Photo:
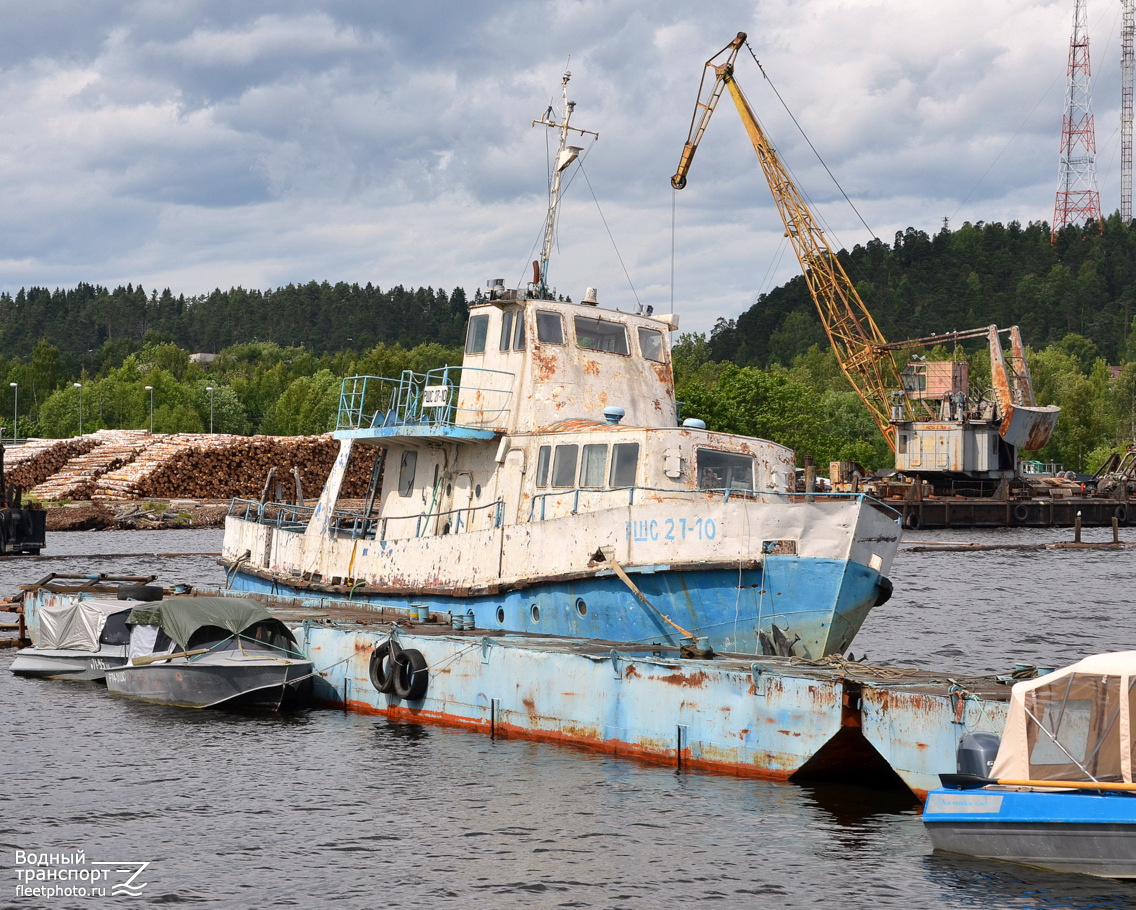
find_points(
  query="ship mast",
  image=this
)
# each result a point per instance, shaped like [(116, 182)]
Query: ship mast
[(565, 155)]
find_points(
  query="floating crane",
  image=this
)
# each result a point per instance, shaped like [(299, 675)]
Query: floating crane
[(924, 410)]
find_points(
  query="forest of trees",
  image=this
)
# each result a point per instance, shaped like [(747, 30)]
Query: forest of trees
[(768, 372)]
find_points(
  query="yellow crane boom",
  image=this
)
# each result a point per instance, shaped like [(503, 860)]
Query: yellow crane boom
[(855, 338)]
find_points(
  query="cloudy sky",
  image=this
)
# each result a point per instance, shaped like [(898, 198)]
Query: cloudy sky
[(198, 144)]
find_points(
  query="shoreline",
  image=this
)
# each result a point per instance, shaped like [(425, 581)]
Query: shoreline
[(136, 516)]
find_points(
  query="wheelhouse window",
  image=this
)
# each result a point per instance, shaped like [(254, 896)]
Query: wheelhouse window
[(624, 464), (651, 344), (593, 466), (542, 461), (549, 327), (724, 470), (519, 332), (406, 468), (564, 466), (506, 329), (598, 335), (476, 334)]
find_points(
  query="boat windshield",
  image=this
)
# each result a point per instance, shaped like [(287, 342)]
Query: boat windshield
[(116, 632), (264, 636), (1073, 728)]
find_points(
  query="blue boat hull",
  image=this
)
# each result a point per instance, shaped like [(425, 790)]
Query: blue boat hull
[(823, 601), (1088, 832)]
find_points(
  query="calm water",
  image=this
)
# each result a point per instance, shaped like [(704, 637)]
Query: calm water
[(339, 810)]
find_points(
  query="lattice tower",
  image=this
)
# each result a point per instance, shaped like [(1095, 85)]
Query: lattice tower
[(1127, 68), (1077, 195)]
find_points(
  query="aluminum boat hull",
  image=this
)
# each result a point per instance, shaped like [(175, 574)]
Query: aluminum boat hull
[(68, 664), (222, 681)]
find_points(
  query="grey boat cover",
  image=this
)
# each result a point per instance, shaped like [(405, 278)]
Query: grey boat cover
[(75, 625), (180, 617)]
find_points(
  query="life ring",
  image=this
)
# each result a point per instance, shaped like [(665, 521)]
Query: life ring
[(911, 521), (1120, 513), (1021, 513), (144, 593), (383, 668), (411, 677)]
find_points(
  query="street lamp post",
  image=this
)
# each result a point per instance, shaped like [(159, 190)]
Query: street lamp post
[(79, 386), (209, 389), (15, 410), (150, 389)]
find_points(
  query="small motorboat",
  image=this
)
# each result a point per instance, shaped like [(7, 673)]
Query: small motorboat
[(212, 652), (1056, 792), (78, 638)]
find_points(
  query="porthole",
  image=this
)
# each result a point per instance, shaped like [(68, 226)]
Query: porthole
[(500, 616), (534, 612), (477, 491), (449, 489), (581, 607)]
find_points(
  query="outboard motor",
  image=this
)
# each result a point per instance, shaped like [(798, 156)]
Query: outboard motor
[(976, 754)]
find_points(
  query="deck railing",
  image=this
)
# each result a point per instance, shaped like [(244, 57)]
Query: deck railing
[(445, 397), (360, 527)]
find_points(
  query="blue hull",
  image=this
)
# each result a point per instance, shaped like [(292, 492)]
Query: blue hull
[(1087, 832), (823, 601)]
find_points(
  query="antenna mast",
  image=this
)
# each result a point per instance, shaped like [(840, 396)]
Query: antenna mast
[(1077, 195), (565, 155), (1127, 68)]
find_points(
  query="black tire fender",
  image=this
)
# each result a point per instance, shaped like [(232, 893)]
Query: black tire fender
[(1021, 513), (911, 521), (411, 676), (1120, 513), (383, 668), (884, 589), (145, 593)]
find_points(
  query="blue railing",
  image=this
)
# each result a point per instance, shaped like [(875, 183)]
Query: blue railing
[(726, 494), (289, 517), (445, 397)]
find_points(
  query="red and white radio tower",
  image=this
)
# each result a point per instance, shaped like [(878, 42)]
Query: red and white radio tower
[(1127, 69), (1077, 196)]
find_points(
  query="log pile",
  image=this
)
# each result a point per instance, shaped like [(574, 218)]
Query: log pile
[(78, 477), (215, 466), (36, 460)]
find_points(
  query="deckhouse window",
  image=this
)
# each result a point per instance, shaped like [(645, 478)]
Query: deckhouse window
[(406, 472), (519, 334), (542, 460), (564, 466), (724, 470), (593, 466), (549, 327), (651, 344), (506, 329), (476, 334), (597, 335), (624, 464)]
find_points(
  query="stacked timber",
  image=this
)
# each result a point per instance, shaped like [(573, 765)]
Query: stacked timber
[(217, 466), (78, 477), (32, 463)]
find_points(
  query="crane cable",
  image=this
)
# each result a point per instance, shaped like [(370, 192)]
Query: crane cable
[(804, 135)]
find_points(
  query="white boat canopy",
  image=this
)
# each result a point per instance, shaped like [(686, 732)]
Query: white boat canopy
[(1074, 724), (76, 625)]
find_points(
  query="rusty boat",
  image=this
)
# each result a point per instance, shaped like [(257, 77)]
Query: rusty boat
[(548, 485)]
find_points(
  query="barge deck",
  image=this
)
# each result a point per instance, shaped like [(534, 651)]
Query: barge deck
[(763, 716)]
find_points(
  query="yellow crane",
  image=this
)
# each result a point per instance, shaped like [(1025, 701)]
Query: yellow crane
[(923, 411), (860, 347)]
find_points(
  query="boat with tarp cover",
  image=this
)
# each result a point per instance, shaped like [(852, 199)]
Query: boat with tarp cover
[(77, 639), (212, 652), (1059, 794)]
